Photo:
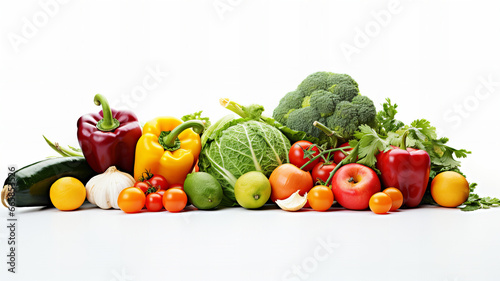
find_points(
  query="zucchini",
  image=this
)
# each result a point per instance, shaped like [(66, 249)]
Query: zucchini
[(31, 184)]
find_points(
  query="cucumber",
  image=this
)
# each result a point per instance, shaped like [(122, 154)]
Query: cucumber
[(32, 183)]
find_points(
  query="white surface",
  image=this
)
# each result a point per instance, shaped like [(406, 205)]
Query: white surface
[(237, 244), (429, 57)]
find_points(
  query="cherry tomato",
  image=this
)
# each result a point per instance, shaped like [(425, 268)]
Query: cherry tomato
[(301, 152), (177, 185), (144, 186), (380, 203), (154, 202), (131, 200), (339, 155), (321, 172), (396, 197), (159, 181), (175, 200), (320, 198)]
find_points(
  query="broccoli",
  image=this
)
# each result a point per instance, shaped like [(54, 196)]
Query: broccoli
[(329, 98)]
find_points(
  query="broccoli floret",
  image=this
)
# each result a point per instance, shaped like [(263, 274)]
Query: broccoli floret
[(297, 117), (324, 101), (349, 115), (323, 94)]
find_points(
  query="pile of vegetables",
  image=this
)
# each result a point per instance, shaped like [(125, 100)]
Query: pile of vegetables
[(324, 144)]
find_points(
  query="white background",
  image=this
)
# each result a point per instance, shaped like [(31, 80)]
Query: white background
[(430, 57)]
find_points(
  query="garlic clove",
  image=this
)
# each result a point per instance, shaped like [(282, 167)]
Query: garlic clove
[(293, 203)]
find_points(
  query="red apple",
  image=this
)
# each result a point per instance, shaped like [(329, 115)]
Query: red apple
[(353, 185)]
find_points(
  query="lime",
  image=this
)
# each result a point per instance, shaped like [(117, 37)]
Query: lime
[(252, 190), (203, 190)]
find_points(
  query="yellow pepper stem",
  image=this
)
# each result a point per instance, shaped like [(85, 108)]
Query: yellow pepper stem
[(170, 141)]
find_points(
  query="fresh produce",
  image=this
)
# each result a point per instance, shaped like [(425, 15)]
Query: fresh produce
[(203, 190), (159, 181), (154, 202), (380, 203), (109, 137), (252, 190), (254, 112), (288, 179), (474, 202), (32, 183), (72, 151), (142, 185), (103, 189), (131, 200), (320, 198), (330, 98), (168, 147), (293, 203), (301, 153), (353, 185), (197, 116), (241, 146), (149, 183), (177, 185), (340, 155), (396, 197), (67, 194), (321, 172), (450, 189), (406, 169), (175, 200)]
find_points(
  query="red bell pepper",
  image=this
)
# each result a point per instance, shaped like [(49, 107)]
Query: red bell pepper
[(406, 169), (108, 138)]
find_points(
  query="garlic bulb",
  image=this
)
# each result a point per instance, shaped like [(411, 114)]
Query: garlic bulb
[(293, 203), (103, 189)]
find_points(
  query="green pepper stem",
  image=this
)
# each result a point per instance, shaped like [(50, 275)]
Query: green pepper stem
[(170, 139), (403, 140), (107, 123)]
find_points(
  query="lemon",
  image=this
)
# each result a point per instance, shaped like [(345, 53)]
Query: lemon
[(67, 194), (449, 189), (252, 190)]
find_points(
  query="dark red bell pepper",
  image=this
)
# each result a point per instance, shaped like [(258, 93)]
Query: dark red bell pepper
[(406, 169), (108, 138)]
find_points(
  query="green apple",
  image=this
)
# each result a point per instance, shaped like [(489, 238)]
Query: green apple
[(252, 190)]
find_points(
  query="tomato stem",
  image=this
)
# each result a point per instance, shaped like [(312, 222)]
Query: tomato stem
[(322, 153)]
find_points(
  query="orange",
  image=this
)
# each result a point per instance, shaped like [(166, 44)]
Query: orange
[(450, 189)]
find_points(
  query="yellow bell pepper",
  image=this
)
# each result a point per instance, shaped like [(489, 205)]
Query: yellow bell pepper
[(168, 147)]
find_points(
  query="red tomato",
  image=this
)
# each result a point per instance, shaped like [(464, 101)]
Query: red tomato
[(339, 155), (144, 186), (159, 181), (154, 202), (301, 152), (131, 200), (321, 172), (175, 200)]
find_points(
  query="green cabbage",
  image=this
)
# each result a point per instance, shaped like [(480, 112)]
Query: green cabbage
[(241, 146)]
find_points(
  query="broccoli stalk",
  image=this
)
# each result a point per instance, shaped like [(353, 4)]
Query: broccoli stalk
[(334, 138)]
